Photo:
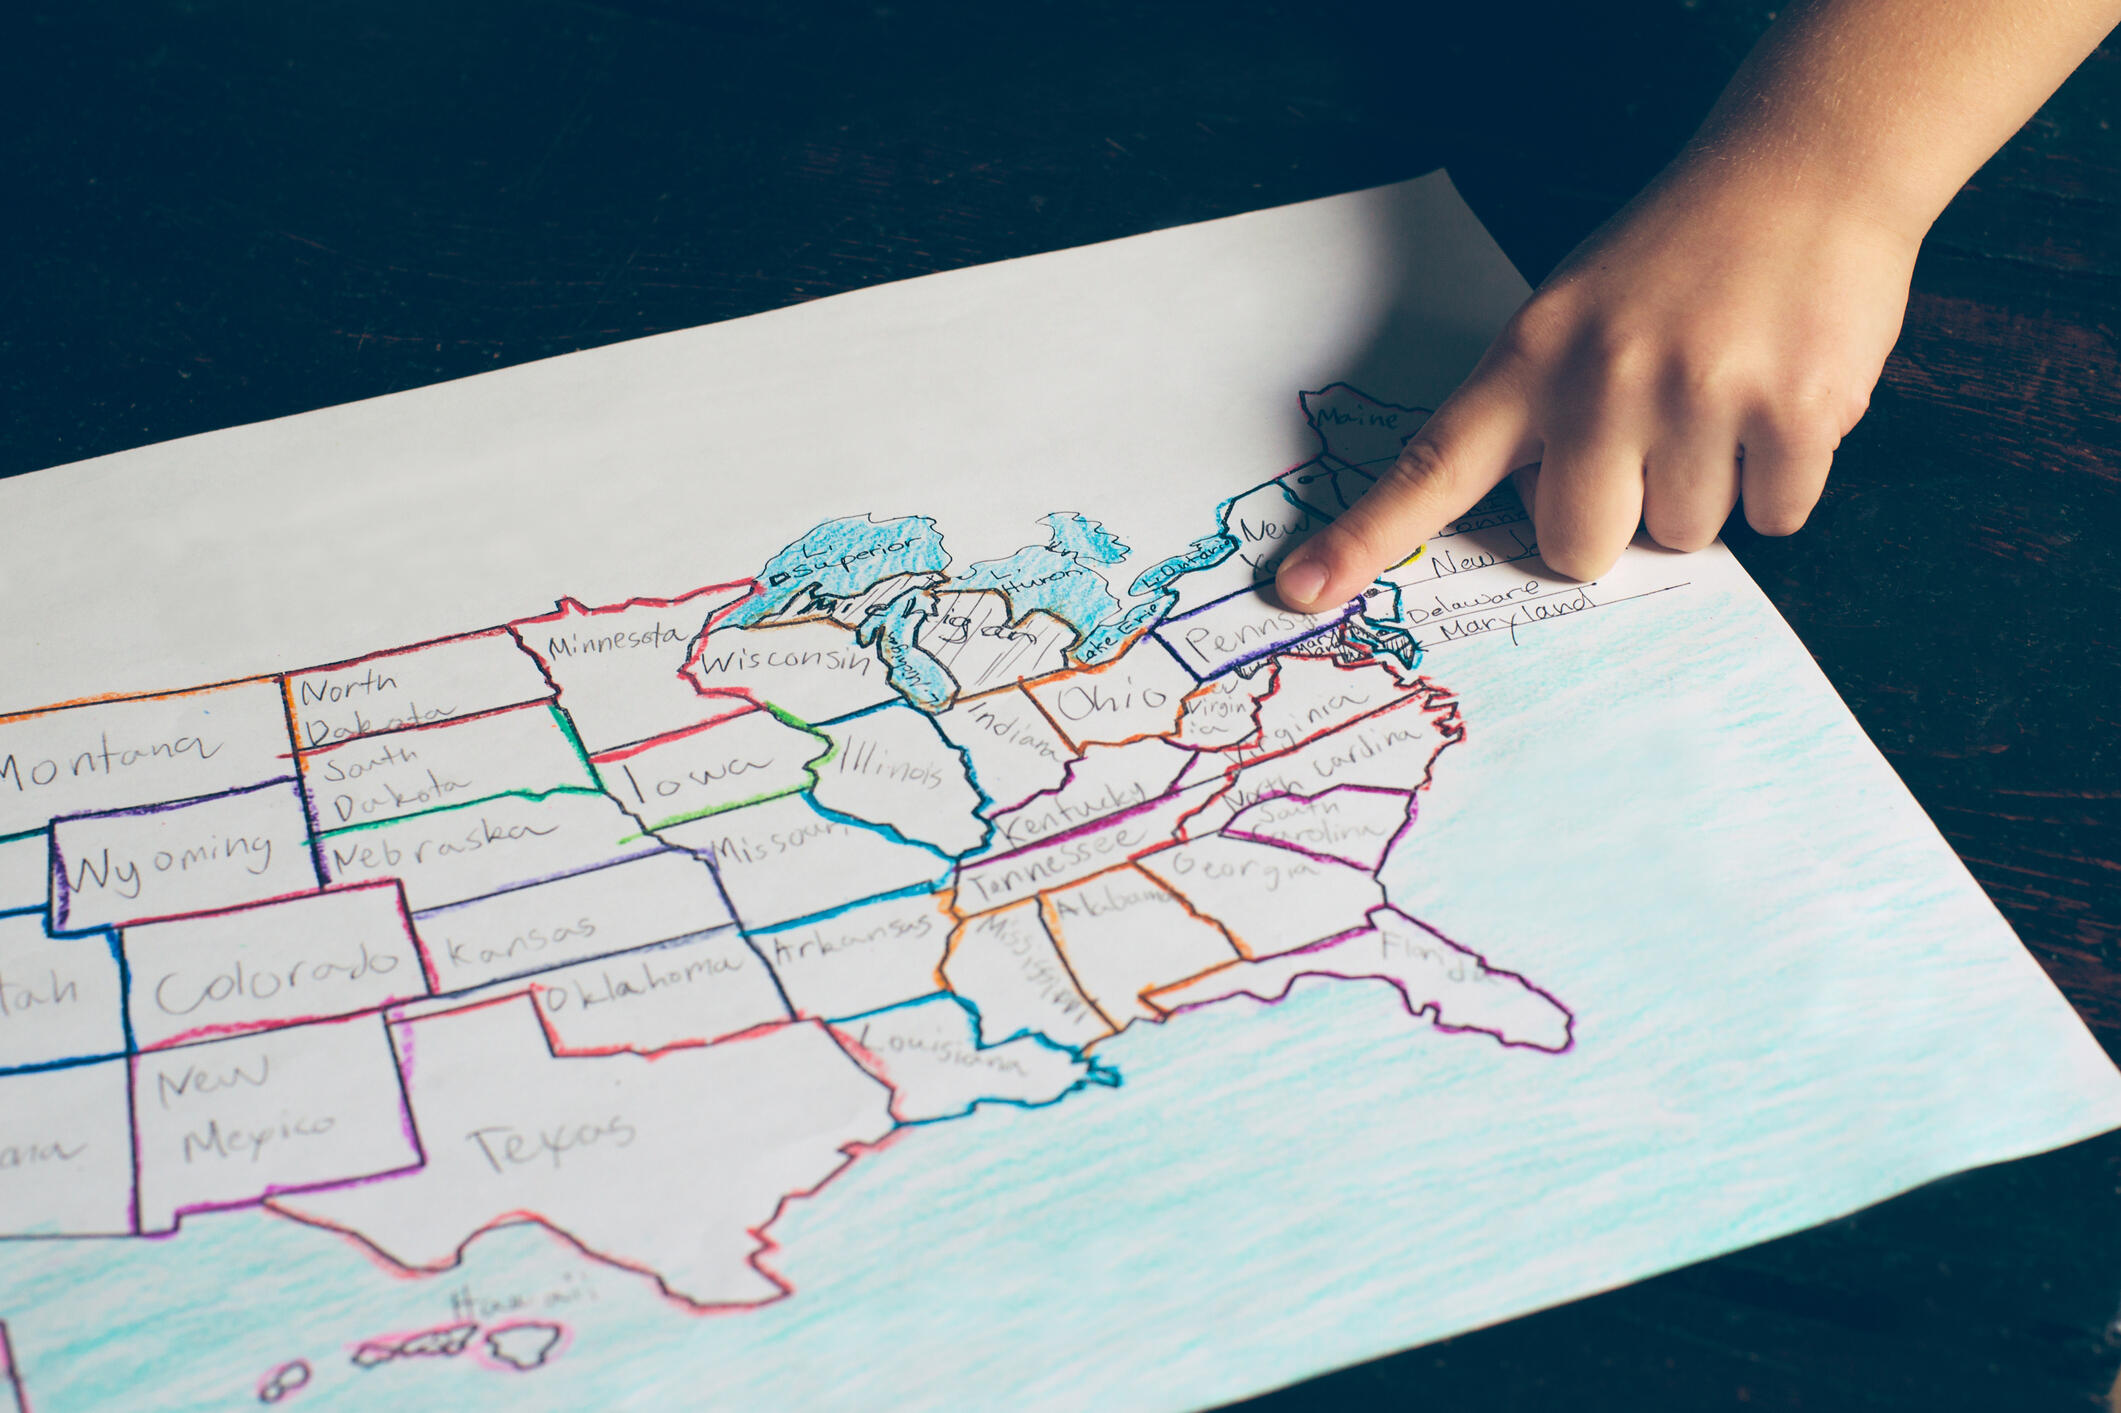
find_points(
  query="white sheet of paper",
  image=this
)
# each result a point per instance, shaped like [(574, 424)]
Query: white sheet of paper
[(1137, 1037)]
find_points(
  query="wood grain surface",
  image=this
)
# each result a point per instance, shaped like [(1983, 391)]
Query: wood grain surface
[(224, 210)]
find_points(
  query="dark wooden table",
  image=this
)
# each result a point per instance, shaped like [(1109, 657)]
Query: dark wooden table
[(223, 210)]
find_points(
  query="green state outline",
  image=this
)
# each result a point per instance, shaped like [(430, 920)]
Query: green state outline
[(809, 769), (574, 738), (532, 795), (552, 709)]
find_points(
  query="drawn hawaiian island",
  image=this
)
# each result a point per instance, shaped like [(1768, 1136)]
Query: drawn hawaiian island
[(445, 1343), (285, 1381), (525, 1346), (857, 844), (521, 1344)]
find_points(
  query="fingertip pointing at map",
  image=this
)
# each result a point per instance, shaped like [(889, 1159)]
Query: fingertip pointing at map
[(1302, 580)]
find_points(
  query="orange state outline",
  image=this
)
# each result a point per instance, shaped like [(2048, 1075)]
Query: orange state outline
[(1025, 685), (1228, 784), (1237, 944), (1036, 902), (1020, 681), (1149, 996), (9, 718), (1051, 917), (1113, 665)]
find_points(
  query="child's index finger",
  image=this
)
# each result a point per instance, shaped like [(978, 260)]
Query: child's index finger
[(1466, 447)]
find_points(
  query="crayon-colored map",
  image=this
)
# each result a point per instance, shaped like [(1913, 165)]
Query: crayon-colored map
[(857, 843)]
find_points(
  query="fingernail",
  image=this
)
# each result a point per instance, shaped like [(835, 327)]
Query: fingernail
[(1303, 580)]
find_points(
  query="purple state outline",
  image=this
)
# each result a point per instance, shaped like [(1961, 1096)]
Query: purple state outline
[(61, 894), (1413, 799), (1430, 1009), (655, 848), (1266, 649), (406, 1125)]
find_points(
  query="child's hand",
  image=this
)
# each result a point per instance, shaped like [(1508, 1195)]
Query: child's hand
[(1714, 342), (1720, 337)]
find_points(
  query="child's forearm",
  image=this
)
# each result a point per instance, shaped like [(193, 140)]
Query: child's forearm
[(1890, 105)]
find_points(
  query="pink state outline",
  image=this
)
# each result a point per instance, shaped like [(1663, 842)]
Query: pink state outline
[(222, 1032)]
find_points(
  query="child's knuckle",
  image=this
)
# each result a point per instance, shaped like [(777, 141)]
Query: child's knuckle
[(1537, 333), (1419, 467), (1816, 411), (1627, 360), (1699, 378)]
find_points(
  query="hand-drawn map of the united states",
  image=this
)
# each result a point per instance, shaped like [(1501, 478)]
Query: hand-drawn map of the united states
[(858, 843)]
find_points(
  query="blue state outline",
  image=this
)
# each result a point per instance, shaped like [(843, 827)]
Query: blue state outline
[(1123, 629), (1096, 1071), (916, 890), (111, 940), (855, 715), (986, 801), (132, 1158), (71, 1062), (972, 770), (889, 832)]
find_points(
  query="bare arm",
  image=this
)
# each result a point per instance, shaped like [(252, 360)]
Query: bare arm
[(1720, 336)]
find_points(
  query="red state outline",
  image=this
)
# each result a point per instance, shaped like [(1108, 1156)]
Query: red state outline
[(292, 712), (766, 1246), (567, 607)]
